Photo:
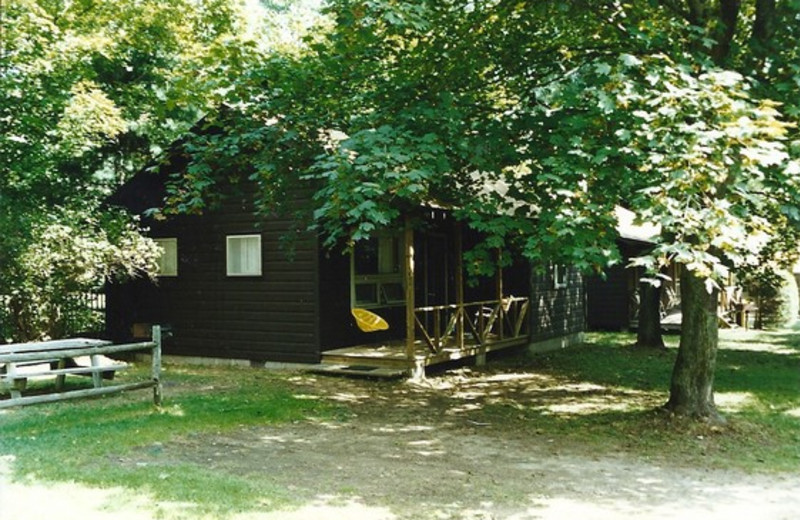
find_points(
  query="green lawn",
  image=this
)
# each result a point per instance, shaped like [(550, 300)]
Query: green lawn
[(601, 397), (757, 384), (84, 440)]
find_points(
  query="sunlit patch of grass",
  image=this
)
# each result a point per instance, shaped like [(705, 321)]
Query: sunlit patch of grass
[(83, 440), (733, 401), (598, 402)]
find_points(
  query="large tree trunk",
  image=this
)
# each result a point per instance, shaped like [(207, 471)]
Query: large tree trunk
[(648, 332), (692, 388)]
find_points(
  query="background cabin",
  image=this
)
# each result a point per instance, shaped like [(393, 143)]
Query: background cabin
[(612, 300)]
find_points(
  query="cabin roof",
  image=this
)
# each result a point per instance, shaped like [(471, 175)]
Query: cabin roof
[(629, 229)]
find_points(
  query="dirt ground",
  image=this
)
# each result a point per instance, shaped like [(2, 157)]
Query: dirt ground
[(418, 452)]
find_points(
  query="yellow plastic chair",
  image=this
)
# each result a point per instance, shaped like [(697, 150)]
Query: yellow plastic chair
[(369, 321)]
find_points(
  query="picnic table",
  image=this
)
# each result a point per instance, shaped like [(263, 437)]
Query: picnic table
[(20, 362)]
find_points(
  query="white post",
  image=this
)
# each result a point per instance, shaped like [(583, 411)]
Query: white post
[(157, 390)]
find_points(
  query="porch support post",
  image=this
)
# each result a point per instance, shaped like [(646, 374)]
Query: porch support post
[(409, 292), (459, 279), (480, 357), (499, 289)]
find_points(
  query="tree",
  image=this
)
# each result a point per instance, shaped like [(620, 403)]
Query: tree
[(648, 329), (57, 271), (90, 92), (535, 119)]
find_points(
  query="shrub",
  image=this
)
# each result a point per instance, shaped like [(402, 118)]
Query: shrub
[(46, 283)]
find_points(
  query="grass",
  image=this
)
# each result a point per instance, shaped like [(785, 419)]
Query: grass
[(601, 398), (84, 440), (757, 385)]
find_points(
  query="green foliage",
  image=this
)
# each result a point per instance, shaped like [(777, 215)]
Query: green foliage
[(576, 109), (90, 90), (693, 153), (89, 93), (369, 172), (48, 280)]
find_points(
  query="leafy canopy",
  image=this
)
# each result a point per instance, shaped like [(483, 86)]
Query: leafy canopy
[(532, 120), (89, 93)]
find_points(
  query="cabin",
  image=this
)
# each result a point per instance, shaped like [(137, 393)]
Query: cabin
[(230, 287), (612, 300)]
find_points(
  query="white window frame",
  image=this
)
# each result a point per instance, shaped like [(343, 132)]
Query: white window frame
[(559, 275), (256, 269), (381, 280), (168, 259)]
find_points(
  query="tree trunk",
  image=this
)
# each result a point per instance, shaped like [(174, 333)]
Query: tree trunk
[(648, 333), (719, 19), (692, 388), (764, 25), (726, 30)]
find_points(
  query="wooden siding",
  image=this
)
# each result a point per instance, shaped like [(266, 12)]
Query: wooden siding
[(271, 317), (608, 300), (556, 312)]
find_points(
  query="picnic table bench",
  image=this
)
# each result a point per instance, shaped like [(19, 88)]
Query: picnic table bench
[(20, 362)]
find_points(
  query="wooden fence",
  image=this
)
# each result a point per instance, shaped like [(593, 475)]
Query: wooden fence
[(23, 361)]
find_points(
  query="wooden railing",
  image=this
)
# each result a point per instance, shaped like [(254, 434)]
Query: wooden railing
[(474, 323)]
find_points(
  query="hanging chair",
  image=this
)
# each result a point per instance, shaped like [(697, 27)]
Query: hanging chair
[(369, 321)]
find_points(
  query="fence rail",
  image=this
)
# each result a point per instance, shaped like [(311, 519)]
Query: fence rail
[(478, 323)]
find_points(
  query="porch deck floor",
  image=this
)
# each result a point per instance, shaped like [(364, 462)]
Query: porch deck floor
[(391, 356)]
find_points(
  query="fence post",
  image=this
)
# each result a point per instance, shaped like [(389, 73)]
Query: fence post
[(157, 365)]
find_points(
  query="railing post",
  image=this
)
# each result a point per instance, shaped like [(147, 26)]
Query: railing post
[(499, 293), (408, 243), (17, 385), (437, 330), (156, 371), (459, 287), (97, 378)]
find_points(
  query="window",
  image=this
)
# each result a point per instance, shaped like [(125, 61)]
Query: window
[(377, 273), (558, 275), (168, 261), (243, 253)]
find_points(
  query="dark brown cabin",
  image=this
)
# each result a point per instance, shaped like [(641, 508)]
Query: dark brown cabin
[(229, 288), (613, 299)]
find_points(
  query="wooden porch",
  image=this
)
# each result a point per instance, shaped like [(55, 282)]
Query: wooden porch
[(442, 334), (428, 334)]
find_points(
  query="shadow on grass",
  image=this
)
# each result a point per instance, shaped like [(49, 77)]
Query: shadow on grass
[(596, 399)]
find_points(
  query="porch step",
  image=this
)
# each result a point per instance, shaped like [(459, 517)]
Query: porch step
[(358, 370), (357, 360)]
